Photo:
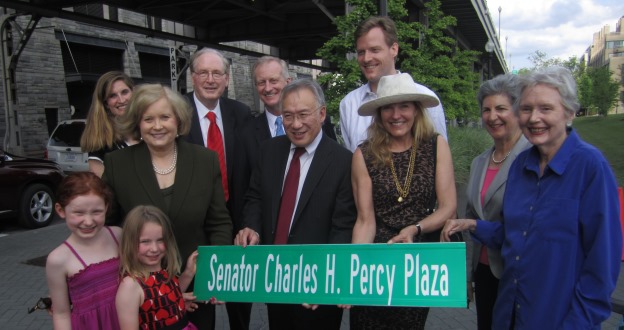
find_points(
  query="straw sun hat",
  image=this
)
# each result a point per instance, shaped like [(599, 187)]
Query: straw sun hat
[(396, 89)]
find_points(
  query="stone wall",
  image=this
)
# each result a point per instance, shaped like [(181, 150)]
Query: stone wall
[(41, 76)]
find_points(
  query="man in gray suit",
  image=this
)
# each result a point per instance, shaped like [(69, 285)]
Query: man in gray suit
[(319, 197)]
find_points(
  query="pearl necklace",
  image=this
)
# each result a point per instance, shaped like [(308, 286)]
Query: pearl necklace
[(173, 164), (499, 161)]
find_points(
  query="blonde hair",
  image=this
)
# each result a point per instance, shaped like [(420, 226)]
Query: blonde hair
[(100, 130), (131, 234), (142, 98), (379, 139)]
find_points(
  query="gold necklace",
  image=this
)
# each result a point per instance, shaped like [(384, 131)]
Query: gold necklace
[(404, 191)]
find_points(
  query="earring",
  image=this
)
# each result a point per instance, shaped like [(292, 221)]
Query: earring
[(569, 124)]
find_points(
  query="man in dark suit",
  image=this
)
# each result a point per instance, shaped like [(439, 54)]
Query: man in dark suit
[(316, 207), (270, 76), (210, 73)]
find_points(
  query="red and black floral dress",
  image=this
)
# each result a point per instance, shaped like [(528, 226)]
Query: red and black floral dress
[(163, 306)]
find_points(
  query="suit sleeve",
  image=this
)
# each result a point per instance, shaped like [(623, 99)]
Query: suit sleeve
[(217, 224), (343, 218), (252, 211), (113, 217)]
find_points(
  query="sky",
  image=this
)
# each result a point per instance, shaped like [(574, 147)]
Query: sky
[(560, 28)]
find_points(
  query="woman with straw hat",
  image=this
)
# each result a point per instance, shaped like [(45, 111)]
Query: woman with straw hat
[(397, 174)]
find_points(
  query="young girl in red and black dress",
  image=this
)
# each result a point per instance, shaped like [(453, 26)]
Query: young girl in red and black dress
[(150, 293)]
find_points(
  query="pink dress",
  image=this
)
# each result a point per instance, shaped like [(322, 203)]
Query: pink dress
[(92, 293)]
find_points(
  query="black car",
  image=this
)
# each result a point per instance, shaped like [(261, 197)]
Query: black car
[(27, 188)]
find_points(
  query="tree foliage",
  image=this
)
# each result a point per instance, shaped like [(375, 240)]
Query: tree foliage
[(604, 89), (425, 51), (597, 91)]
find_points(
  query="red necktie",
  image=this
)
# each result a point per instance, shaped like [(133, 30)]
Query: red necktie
[(215, 143), (289, 196)]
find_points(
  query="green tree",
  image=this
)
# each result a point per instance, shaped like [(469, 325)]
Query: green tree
[(604, 89), (425, 51)]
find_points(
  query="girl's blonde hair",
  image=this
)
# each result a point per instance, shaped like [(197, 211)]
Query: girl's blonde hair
[(133, 225), (379, 139), (100, 130)]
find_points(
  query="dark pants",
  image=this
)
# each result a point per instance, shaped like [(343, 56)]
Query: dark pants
[(295, 316), (486, 289), (239, 315), (203, 317)]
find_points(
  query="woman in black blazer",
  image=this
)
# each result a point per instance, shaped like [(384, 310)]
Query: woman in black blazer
[(182, 179)]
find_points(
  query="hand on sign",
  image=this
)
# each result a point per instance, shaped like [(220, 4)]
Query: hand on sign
[(405, 235), (344, 306), (214, 301), (308, 306), (247, 236), (453, 226), (189, 301)]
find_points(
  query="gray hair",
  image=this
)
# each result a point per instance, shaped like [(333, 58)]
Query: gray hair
[(197, 54), (558, 78), (304, 83), (504, 84), (268, 59)]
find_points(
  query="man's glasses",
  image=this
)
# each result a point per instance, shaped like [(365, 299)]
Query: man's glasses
[(289, 117), (42, 303), (216, 75)]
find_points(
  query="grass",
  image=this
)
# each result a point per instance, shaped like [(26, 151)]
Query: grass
[(466, 144), (606, 134)]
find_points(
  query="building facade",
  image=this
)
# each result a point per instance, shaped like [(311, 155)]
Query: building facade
[(607, 49), (59, 66)]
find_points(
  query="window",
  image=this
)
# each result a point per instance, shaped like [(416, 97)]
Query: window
[(615, 44), (90, 59), (96, 10)]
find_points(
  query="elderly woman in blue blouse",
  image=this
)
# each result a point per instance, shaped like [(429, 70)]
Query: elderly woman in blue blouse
[(561, 239)]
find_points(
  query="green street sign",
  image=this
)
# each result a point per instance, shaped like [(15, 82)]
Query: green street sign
[(421, 274)]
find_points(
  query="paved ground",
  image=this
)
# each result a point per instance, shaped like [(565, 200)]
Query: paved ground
[(22, 284)]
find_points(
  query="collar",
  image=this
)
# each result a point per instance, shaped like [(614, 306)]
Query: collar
[(562, 158), (202, 111)]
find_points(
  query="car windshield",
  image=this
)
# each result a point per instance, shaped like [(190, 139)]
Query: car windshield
[(67, 135)]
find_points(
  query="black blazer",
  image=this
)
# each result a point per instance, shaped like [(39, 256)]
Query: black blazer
[(326, 210), (197, 211), (252, 135)]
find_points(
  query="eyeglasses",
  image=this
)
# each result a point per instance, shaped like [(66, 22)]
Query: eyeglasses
[(41, 304), (289, 117), (216, 75)]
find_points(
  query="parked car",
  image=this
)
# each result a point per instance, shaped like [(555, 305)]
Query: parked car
[(64, 146), (27, 187)]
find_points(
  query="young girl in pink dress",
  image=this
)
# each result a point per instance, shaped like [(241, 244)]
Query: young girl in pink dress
[(83, 272), (150, 294)]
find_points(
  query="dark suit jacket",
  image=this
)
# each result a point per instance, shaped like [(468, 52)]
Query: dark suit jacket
[(197, 211), (493, 201), (251, 136), (234, 115), (326, 210)]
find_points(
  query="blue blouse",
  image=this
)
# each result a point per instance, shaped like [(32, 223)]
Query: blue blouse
[(561, 242)]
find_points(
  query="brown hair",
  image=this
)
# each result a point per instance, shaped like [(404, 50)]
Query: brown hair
[(100, 129), (82, 183), (386, 25), (131, 234)]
